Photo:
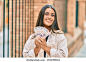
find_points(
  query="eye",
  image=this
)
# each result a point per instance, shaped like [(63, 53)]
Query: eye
[(46, 14), (52, 15)]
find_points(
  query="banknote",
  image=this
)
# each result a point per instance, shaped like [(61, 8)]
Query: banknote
[(41, 31)]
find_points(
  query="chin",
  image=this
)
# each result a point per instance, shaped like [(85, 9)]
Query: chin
[(48, 24)]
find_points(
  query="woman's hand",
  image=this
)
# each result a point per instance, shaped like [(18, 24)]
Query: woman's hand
[(43, 42), (38, 45), (44, 46), (38, 42)]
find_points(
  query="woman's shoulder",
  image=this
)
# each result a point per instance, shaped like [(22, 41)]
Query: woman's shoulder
[(32, 36), (58, 31), (60, 34)]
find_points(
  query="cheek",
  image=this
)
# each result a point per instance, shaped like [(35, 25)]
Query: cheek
[(44, 19), (53, 19)]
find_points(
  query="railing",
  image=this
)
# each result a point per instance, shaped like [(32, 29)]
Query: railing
[(20, 26)]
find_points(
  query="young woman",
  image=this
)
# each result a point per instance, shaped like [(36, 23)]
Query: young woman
[(55, 45)]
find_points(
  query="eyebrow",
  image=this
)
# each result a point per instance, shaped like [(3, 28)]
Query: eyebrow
[(53, 13), (48, 12)]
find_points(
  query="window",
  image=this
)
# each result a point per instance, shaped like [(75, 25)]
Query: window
[(76, 13)]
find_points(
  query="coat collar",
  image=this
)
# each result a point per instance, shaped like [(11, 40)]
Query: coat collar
[(57, 32)]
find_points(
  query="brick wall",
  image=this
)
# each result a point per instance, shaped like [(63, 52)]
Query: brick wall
[(76, 33), (30, 14), (60, 6), (1, 15), (81, 14), (71, 14)]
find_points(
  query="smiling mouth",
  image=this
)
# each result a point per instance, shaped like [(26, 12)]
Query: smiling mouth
[(48, 20)]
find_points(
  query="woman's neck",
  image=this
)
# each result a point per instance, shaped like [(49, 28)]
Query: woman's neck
[(47, 27)]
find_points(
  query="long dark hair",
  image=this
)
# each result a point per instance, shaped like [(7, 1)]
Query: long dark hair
[(54, 26)]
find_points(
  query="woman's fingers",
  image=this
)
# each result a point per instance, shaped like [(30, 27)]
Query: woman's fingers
[(42, 40), (37, 41)]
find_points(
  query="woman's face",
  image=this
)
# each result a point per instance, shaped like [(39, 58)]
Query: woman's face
[(49, 17)]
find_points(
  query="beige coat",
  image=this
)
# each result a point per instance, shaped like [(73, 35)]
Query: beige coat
[(57, 41)]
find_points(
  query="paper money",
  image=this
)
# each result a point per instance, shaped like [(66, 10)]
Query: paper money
[(41, 31)]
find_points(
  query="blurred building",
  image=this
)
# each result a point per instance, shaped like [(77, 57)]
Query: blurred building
[(70, 15), (1, 14), (75, 25)]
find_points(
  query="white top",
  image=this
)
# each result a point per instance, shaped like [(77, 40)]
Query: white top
[(57, 42)]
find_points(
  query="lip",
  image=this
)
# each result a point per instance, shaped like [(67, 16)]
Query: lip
[(49, 21)]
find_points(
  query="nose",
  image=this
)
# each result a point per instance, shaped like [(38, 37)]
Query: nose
[(49, 16)]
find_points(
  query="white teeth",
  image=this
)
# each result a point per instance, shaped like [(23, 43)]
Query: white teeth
[(48, 20)]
